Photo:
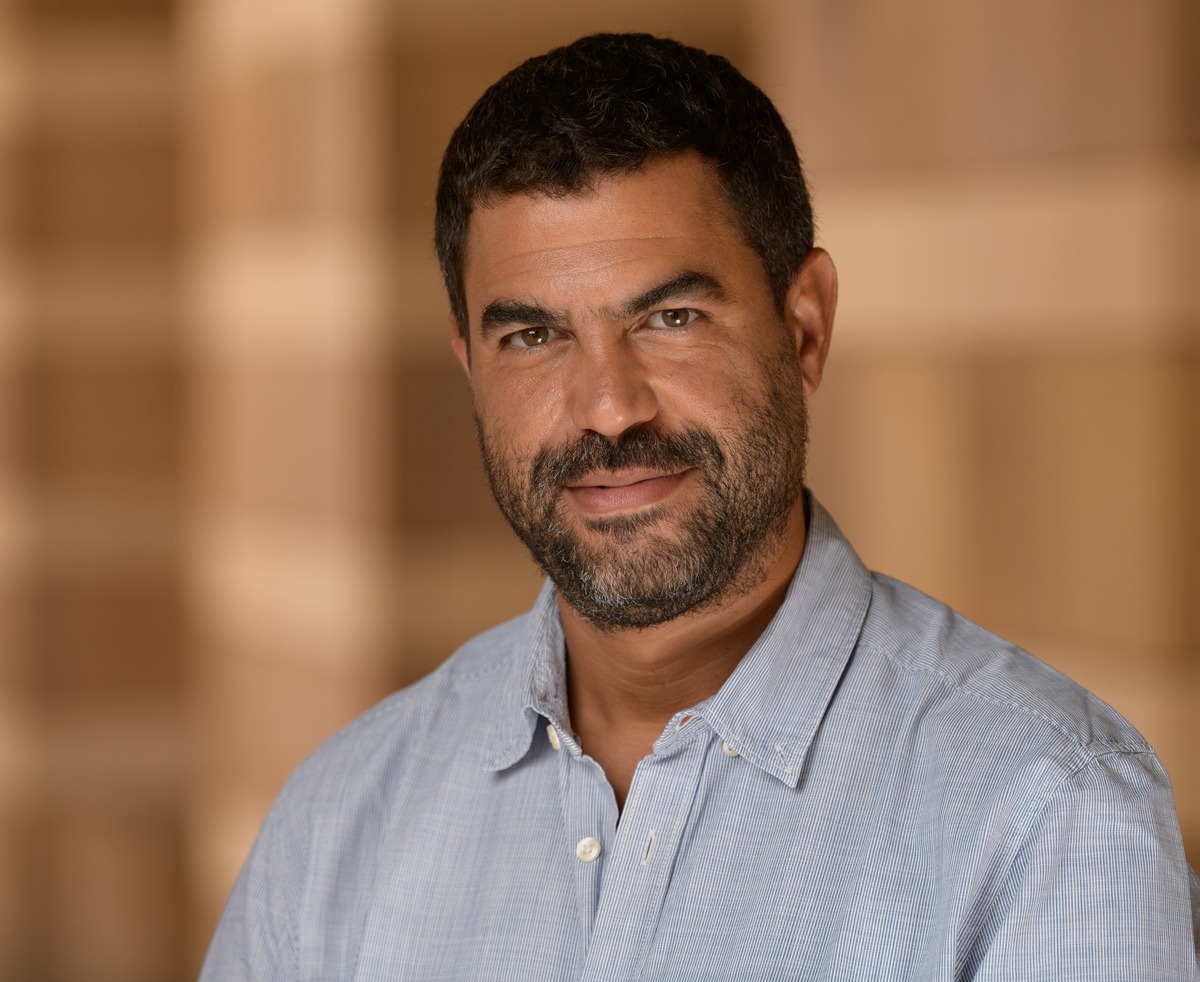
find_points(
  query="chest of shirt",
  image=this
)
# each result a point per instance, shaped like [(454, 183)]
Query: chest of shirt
[(715, 870)]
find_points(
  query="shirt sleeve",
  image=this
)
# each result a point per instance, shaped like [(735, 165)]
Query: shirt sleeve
[(255, 937), (1099, 889)]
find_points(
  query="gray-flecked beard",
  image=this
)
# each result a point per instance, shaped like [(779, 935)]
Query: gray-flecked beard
[(650, 567)]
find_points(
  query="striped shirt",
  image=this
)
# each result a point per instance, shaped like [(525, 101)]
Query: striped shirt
[(881, 791)]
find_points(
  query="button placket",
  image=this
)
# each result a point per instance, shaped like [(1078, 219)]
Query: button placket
[(640, 856), (589, 814)]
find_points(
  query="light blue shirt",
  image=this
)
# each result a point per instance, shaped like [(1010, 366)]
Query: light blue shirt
[(881, 791)]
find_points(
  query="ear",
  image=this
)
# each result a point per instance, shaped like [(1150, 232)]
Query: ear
[(460, 346), (808, 312)]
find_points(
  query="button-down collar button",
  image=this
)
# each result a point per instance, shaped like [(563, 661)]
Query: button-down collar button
[(588, 849), (552, 733), (727, 750)]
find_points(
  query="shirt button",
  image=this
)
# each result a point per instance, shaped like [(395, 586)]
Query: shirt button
[(588, 849), (552, 733), (728, 750)]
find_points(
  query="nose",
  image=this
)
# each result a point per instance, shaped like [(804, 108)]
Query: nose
[(611, 389)]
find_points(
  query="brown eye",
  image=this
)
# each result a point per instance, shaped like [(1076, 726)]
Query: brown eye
[(675, 317), (530, 337)]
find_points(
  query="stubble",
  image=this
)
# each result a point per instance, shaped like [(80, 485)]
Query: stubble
[(652, 566)]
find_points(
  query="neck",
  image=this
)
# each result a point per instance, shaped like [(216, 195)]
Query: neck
[(624, 685)]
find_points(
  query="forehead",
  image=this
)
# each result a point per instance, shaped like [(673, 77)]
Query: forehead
[(625, 229)]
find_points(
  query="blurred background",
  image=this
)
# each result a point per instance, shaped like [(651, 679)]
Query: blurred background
[(239, 499)]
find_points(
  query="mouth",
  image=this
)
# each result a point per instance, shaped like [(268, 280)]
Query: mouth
[(608, 492)]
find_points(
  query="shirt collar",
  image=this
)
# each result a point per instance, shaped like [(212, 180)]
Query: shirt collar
[(772, 705), (536, 686)]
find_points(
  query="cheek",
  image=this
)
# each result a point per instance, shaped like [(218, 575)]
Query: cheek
[(518, 412), (713, 394), (514, 427)]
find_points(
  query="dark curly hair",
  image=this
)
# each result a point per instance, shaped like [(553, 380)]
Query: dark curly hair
[(609, 103)]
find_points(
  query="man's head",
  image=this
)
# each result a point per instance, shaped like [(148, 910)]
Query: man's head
[(610, 103), (640, 350)]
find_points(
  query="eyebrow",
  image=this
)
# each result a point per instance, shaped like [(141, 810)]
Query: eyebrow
[(500, 314), (688, 284)]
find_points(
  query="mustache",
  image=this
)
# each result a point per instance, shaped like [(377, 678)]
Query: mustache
[(692, 447)]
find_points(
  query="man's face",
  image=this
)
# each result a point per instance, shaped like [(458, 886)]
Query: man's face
[(640, 401)]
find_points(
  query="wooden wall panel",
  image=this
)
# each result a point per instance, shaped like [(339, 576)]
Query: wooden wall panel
[(1009, 419), (91, 808), (287, 552)]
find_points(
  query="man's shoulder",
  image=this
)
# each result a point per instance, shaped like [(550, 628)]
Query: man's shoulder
[(440, 713), (988, 678)]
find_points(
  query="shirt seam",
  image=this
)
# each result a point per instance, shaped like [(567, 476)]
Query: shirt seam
[(1019, 836), (1092, 750), (456, 675), (400, 700), (292, 914)]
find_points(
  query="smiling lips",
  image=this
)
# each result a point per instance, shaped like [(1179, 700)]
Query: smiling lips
[(604, 492)]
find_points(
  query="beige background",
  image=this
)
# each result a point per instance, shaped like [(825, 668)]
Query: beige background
[(239, 499)]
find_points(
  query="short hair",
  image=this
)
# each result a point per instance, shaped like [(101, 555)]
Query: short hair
[(610, 103)]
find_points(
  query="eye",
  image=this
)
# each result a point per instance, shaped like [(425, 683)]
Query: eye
[(673, 317), (530, 337)]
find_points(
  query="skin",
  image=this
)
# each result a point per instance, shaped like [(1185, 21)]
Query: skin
[(578, 336)]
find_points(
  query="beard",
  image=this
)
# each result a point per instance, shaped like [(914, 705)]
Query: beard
[(650, 567)]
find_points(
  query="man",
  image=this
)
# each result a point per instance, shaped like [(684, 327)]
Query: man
[(717, 747)]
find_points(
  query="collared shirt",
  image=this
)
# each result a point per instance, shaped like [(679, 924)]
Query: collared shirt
[(881, 791)]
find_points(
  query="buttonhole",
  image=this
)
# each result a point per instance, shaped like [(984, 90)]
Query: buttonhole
[(649, 846)]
